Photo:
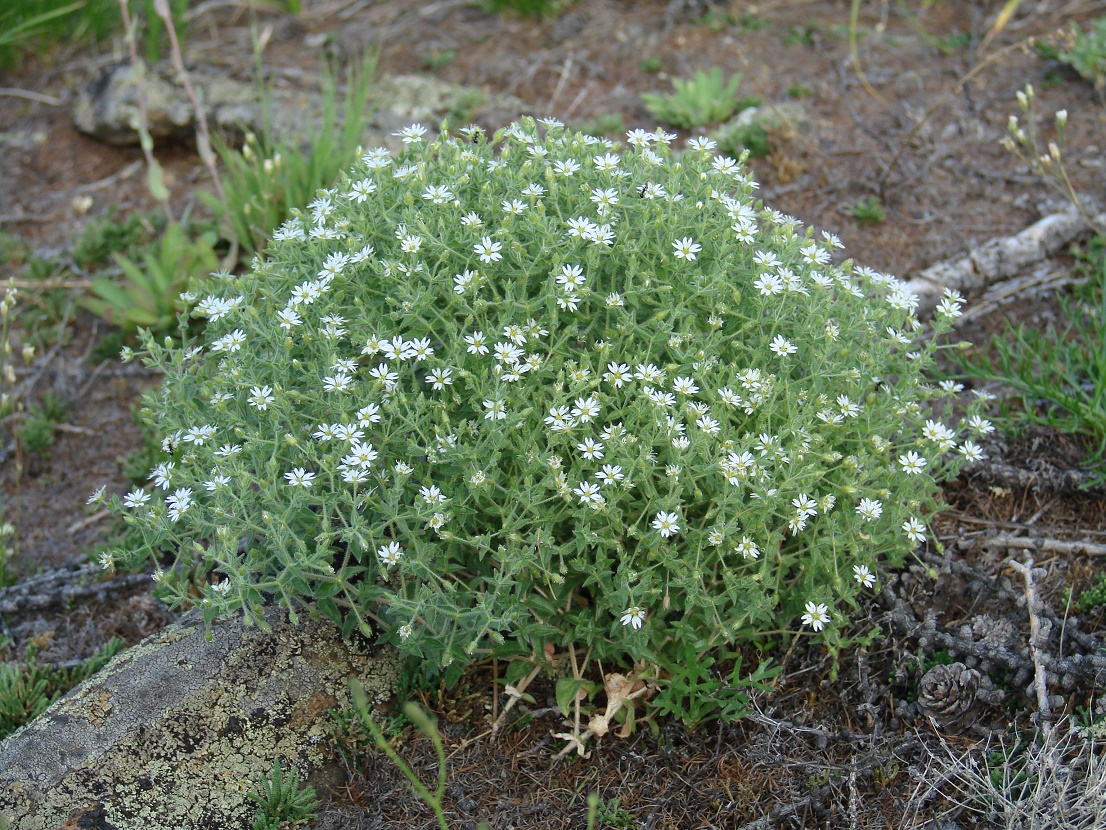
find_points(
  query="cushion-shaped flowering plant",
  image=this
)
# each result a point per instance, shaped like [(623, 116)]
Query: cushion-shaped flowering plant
[(488, 397)]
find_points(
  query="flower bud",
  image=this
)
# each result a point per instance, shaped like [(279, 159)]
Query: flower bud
[(1061, 119), (28, 353), (1054, 150)]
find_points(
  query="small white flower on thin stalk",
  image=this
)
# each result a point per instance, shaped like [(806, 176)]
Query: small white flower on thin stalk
[(136, 498), (915, 530), (487, 250), (299, 477), (667, 524), (869, 509), (634, 616), (816, 616), (686, 248), (389, 554), (863, 575), (782, 346), (747, 548), (912, 463)]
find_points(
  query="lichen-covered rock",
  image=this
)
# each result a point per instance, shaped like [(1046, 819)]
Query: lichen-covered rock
[(107, 107), (175, 732)]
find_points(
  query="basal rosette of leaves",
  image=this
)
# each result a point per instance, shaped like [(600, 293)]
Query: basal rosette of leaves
[(486, 396)]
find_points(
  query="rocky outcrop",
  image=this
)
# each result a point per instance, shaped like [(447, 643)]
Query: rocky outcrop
[(177, 731), (107, 107)]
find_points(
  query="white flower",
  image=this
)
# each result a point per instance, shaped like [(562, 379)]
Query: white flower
[(600, 235), (477, 343), (566, 167), (915, 530), (781, 346), (402, 468), (610, 474), (684, 386), (355, 475), (617, 373), (585, 409), (299, 477), (747, 548), (568, 302), (261, 397), (940, 434), (162, 473), (432, 495), (136, 498), (232, 342), (816, 616), (863, 575), (288, 318), (389, 554), (634, 615), (338, 382), (805, 506), (497, 410), (981, 425), (438, 194), (487, 250), (178, 502), (606, 162), (411, 134), (359, 191), (589, 494), (217, 481), (440, 378), (701, 143), (912, 463), (571, 277), (972, 452), (686, 248), (869, 509), (590, 449), (667, 524), (360, 456)]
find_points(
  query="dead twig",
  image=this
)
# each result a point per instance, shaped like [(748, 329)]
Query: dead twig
[(1007, 542), (27, 94), (1037, 642), (83, 523), (514, 695)]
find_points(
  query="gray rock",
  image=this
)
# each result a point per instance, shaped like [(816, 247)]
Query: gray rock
[(785, 118), (175, 732), (107, 108), (401, 100)]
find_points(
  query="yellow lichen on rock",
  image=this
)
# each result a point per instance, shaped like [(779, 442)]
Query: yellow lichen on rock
[(176, 732)]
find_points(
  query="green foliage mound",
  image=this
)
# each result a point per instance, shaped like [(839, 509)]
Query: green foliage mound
[(488, 396)]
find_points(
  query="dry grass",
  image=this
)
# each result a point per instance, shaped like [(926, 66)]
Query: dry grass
[(1052, 781)]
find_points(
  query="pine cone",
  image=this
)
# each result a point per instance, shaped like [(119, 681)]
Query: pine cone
[(948, 695)]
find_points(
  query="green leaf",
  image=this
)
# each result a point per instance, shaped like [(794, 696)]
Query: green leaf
[(568, 688), (155, 180), (329, 609)]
